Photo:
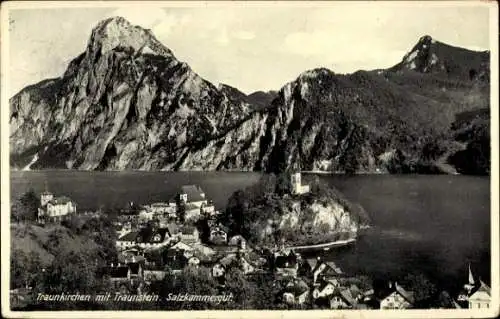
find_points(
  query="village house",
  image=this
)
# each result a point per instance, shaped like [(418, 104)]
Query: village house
[(180, 245), (246, 265), (324, 270), (325, 289), (398, 298), (54, 208), (156, 238), (146, 215), (162, 208), (296, 292), (218, 270), (342, 299), (151, 275), (192, 194), (131, 272), (124, 228), (475, 293), (238, 241), (205, 254), (127, 240), (194, 261), (208, 210), (133, 251), (189, 234), (481, 297), (285, 264), (218, 235), (191, 212), (173, 230), (233, 260), (297, 186)]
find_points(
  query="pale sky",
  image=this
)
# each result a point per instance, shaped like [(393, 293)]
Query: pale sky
[(250, 48)]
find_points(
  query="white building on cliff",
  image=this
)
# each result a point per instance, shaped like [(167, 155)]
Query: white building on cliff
[(297, 186)]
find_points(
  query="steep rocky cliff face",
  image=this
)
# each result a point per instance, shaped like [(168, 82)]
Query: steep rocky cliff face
[(128, 103)]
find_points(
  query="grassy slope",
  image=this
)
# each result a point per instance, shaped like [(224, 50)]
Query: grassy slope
[(32, 238)]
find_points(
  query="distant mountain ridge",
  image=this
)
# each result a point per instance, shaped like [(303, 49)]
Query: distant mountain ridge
[(128, 103)]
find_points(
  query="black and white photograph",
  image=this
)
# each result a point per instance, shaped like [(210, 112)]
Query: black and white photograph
[(324, 159)]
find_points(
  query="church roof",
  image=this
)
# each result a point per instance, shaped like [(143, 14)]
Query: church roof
[(60, 200), (484, 288), (194, 193)]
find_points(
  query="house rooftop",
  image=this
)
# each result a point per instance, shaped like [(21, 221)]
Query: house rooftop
[(296, 286), (130, 236), (148, 237), (325, 283), (194, 193), (408, 295), (312, 262), (483, 288), (60, 200), (346, 294)]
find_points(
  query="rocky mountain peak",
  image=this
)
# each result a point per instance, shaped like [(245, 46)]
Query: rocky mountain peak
[(117, 32), (420, 58), (426, 39), (431, 56)]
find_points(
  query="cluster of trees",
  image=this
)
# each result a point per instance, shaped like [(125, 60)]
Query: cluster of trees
[(474, 130), (247, 292), (25, 208), (25, 268), (424, 291)]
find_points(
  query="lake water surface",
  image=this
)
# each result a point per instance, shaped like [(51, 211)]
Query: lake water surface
[(434, 224)]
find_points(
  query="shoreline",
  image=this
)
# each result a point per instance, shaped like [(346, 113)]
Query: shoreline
[(325, 246)]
